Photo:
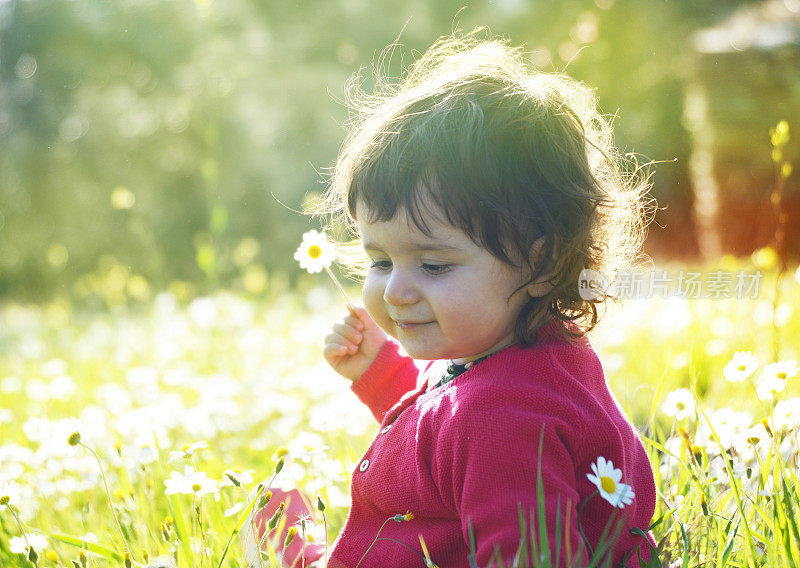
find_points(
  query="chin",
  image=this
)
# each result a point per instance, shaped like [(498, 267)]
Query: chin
[(420, 352), (426, 353)]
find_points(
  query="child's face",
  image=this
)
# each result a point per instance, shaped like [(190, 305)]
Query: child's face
[(441, 296)]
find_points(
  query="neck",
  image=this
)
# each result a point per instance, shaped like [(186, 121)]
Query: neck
[(505, 342)]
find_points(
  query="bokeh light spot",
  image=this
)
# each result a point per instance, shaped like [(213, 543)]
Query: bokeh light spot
[(73, 127), (57, 255), (246, 251), (122, 198), (255, 279), (26, 66)]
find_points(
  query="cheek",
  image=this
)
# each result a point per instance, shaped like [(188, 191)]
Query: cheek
[(453, 305), (479, 302), (372, 296)]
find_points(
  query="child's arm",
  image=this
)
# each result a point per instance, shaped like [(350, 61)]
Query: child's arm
[(360, 351)]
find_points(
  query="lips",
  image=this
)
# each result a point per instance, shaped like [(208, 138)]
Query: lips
[(409, 325)]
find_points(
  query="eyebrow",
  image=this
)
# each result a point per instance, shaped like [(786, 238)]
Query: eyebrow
[(368, 245)]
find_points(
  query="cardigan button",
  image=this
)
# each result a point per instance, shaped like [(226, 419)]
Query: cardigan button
[(386, 429), (364, 465)]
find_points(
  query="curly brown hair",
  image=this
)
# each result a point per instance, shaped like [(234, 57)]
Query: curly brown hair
[(520, 160)]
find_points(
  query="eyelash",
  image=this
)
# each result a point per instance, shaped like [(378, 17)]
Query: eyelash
[(436, 269), (432, 269), (380, 264)]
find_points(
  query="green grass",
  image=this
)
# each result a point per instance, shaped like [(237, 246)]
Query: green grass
[(245, 375)]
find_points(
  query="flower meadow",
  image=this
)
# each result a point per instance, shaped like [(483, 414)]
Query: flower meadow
[(147, 433)]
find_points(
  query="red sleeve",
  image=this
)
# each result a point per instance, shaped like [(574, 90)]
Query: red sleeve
[(388, 378), (488, 466)]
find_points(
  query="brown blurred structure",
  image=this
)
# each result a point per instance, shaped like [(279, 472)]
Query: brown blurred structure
[(745, 78)]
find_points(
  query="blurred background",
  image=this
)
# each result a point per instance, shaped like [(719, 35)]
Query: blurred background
[(154, 145)]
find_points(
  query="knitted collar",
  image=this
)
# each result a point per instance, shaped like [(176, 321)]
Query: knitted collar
[(455, 369)]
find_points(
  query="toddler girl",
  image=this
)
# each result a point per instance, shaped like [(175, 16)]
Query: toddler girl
[(480, 190)]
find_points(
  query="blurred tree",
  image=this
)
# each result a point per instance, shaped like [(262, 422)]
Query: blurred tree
[(165, 134)]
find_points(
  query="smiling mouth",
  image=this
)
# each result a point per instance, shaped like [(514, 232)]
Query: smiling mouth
[(409, 325)]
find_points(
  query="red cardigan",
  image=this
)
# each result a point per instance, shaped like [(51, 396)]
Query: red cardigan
[(468, 452)]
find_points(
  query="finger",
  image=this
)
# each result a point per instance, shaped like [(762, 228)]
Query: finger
[(339, 345), (348, 332), (354, 321), (334, 351), (360, 314)]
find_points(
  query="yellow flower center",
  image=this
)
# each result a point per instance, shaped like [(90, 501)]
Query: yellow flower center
[(197, 487), (680, 406), (741, 368), (314, 251), (608, 484), (782, 375)]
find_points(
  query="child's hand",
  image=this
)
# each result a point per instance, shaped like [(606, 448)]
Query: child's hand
[(353, 344)]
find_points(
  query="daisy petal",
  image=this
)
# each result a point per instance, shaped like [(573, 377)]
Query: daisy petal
[(606, 476)]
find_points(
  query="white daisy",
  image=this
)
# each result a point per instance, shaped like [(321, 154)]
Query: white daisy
[(769, 387), (679, 404), (315, 253), (782, 370), (785, 415), (187, 451), (147, 454), (607, 479), (742, 365), (19, 545), (190, 482), (728, 424)]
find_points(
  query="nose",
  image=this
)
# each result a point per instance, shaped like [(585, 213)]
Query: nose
[(400, 289)]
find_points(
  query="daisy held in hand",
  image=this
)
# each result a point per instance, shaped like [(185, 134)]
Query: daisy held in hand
[(315, 254)]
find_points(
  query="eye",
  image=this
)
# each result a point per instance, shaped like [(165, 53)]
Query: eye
[(436, 269), (380, 264)]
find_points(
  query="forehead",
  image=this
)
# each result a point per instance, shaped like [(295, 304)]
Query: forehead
[(404, 232)]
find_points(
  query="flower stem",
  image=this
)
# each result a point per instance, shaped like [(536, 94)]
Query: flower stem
[(373, 542), (303, 549), (325, 523), (194, 537), (258, 544), (251, 527), (108, 496), (198, 509), (580, 527), (21, 528), (339, 286), (265, 537)]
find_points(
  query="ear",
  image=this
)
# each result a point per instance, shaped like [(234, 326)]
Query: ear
[(541, 286)]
